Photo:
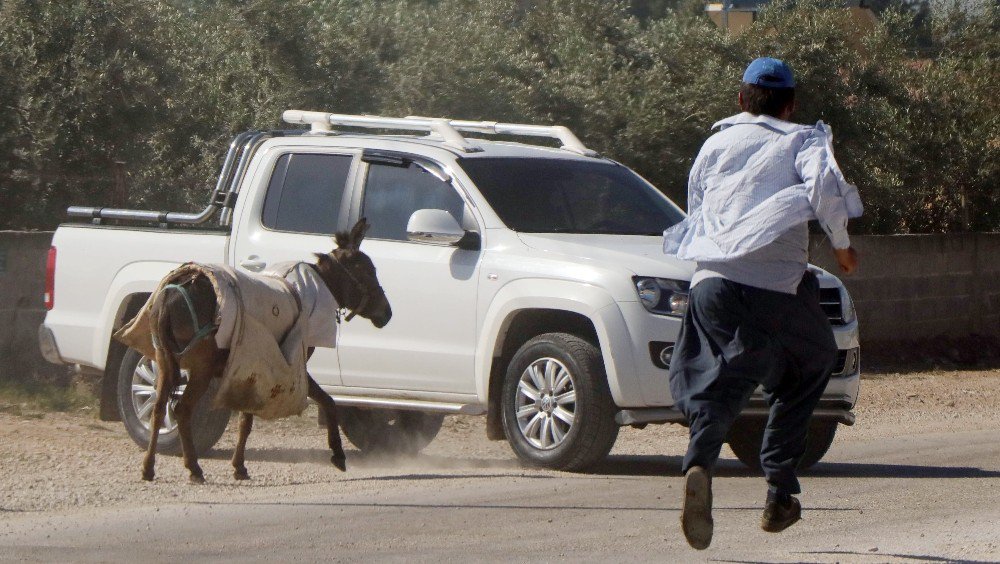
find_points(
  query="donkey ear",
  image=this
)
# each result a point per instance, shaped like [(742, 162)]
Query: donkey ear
[(358, 232), (342, 239)]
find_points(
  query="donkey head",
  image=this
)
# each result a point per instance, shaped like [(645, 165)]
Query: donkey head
[(350, 275)]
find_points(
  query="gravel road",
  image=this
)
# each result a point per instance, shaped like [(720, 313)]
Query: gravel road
[(918, 478)]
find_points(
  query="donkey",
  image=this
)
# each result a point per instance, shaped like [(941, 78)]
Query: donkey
[(347, 272)]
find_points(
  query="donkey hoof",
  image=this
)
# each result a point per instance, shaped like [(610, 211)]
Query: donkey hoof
[(340, 462), (241, 474), (197, 479), (148, 475)]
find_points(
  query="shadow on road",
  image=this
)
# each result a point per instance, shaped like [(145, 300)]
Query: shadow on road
[(496, 506), (874, 470), (359, 459), (650, 465), (918, 557), (418, 477), (615, 465)]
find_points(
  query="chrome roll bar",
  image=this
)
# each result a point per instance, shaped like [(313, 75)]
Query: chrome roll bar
[(242, 145)]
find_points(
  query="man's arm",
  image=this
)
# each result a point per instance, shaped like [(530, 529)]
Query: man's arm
[(673, 237), (815, 165), (696, 187)]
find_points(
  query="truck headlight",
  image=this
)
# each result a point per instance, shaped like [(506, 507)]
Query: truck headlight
[(847, 305), (662, 295)]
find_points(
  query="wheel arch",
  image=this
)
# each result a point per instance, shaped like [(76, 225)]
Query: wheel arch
[(127, 309), (135, 279), (527, 308), (521, 326)]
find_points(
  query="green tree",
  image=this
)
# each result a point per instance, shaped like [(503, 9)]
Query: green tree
[(161, 86), (77, 91)]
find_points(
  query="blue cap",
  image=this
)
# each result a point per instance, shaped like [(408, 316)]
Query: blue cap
[(769, 73)]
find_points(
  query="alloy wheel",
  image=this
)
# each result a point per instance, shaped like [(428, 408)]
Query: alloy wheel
[(546, 403), (144, 396)]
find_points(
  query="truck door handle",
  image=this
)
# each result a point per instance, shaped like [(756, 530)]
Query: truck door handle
[(253, 263)]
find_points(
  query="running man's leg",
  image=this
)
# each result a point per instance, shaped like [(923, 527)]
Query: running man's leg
[(719, 359), (810, 353)]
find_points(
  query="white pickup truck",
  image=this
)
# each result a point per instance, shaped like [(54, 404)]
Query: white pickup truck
[(527, 284)]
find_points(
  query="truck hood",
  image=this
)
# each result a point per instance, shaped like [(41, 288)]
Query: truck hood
[(641, 255)]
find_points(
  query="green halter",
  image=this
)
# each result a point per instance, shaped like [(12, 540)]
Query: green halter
[(203, 331)]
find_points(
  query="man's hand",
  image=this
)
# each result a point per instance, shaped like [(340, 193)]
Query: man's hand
[(847, 259)]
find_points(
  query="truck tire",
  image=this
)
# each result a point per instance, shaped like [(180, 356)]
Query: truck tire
[(136, 392), (557, 408), (389, 431), (746, 437)]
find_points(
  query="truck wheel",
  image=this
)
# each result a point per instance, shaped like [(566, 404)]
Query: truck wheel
[(557, 409), (389, 431), (136, 396), (818, 441), (746, 437)]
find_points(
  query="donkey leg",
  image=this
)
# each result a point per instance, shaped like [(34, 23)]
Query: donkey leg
[(198, 381), (326, 403), (239, 469), (164, 387)]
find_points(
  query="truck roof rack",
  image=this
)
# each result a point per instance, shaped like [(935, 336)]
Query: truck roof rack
[(447, 129), (244, 145)]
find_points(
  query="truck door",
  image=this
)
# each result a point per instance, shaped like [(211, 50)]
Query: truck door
[(430, 343), (296, 207)]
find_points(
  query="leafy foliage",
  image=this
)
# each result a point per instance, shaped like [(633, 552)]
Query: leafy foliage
[(161, 86)]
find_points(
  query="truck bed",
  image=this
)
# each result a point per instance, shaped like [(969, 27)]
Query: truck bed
[(99, 267)]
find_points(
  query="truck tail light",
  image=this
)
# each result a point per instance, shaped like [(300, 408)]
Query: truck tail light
[(50, 279)]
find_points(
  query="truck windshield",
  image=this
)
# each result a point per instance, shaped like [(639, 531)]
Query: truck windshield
[(538, 195)]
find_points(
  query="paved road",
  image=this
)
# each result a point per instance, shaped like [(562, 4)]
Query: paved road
[(926, 497)]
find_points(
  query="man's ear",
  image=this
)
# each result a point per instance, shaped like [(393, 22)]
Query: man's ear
[(789, 110), (739, 100)]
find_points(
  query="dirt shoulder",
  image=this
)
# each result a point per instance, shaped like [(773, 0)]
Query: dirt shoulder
[(68, 461)]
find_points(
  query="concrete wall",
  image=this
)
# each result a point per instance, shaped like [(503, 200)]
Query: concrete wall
[(909, 287), (22, 285), (921, 286)]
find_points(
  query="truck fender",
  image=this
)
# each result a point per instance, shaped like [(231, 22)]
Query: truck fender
[(134, 278), (592, 302)]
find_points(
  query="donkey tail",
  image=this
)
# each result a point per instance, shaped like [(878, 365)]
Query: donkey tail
[(164, 342)]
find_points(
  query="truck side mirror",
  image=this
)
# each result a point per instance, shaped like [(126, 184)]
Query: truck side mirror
[(438, 226)]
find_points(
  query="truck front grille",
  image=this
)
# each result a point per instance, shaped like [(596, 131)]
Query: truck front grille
[(829, 300)]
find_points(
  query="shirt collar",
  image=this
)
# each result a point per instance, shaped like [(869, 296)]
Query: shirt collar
[(781, 126)]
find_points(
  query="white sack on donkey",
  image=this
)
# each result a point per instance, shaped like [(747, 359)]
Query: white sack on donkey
[(255, 332)]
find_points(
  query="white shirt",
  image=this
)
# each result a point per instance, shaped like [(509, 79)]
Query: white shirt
[(751, 190), (755, 179)]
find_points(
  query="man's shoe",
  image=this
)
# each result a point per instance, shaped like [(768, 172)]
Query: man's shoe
[(780, 514), (696, 511)]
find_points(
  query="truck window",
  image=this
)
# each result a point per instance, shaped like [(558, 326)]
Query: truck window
[(306, 192), (539, 195), (393, 193)]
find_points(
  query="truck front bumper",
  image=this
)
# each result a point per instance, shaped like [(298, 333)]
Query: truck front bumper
[(838, 399), (829, 410)]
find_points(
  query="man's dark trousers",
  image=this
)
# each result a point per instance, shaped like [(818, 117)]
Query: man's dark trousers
[(735, 337)]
